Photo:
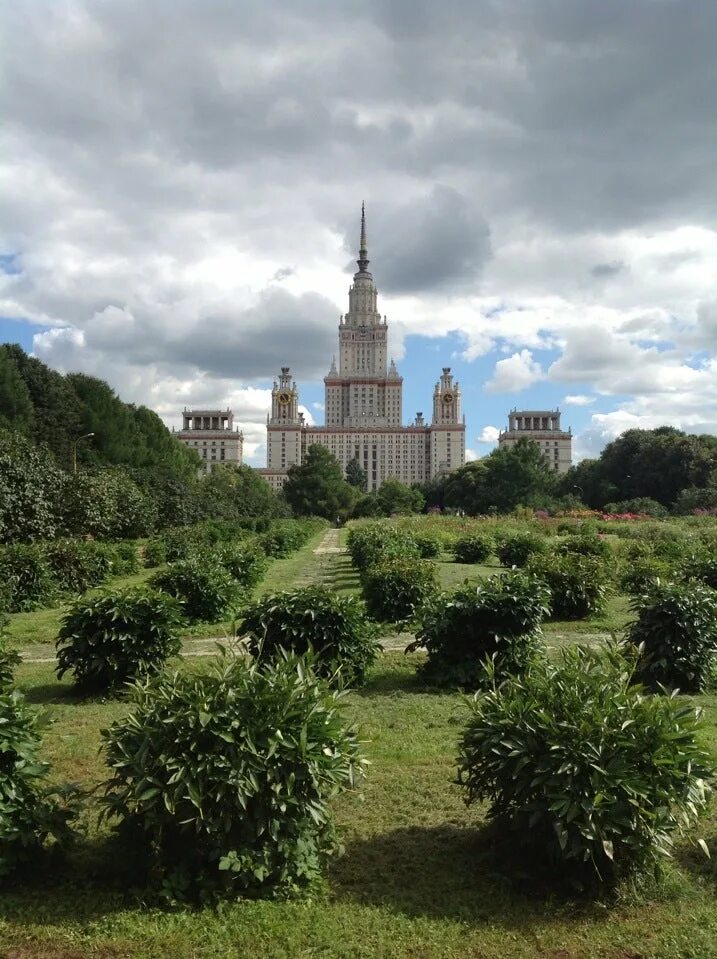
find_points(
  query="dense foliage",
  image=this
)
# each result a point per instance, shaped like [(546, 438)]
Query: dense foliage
[(676, 635), (370, 542), (227, 775), (206, 590), (585, 770), (497, 620), (314, 618), (317, 487), (517, 548), (108, 639), (578, 584), (473, 548), (395, 588), (32, 814)]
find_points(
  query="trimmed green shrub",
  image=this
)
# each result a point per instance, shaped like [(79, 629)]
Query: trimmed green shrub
[(498, 619), (676, 636), (124, 558), (582, 545), (106, 640), (207, 591), (226, 776), (396, 588), (27, 577), (371, 542), (9, 659), (32, 814), (517, 549), (578, 584), (474, 548), (155, 552), (314, 618), (582, 769), (246, 563), (77, 564), (429, 546), (701, 566), (286, 536), (642, 575)]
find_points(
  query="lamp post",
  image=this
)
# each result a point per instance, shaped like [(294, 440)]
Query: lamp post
[(74, 451), (581, 490)]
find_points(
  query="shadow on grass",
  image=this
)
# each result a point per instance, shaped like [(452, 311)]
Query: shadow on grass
[(47, 694), (449, 872)]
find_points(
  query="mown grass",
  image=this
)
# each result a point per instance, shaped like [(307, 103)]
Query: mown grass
[(419, 877)]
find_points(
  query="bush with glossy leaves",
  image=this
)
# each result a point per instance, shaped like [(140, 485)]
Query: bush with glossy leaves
[(497, 620), (225, 777), (643, 575), (26, 577), (107, 639), (245, 561), (395, 589), (33, 815), (585, 545), (675, 633), (517, 549), (369, 543), (207, 590), (314, 618), (579, 585), (581, 768), (77, 564), (474, 548)]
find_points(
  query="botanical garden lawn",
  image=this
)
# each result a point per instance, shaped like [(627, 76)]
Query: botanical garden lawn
[(417, 878)]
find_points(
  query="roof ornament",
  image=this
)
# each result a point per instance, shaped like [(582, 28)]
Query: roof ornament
[(363, 260)]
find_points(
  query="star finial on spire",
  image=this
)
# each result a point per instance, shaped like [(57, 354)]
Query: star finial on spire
[(363, 251)]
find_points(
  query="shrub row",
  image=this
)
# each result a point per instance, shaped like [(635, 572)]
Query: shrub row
[(37, 574)]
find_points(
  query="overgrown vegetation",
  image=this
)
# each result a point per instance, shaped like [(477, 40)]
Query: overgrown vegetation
[(225, 777)]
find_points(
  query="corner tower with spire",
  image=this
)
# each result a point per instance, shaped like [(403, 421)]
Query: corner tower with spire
[(364, 405)]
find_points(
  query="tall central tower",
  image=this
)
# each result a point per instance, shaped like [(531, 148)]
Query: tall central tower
[(364, 391)]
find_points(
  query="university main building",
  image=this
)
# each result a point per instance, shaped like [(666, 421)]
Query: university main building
[(364, 405)]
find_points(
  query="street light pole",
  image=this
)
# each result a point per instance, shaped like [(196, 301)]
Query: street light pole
[(74, 451)]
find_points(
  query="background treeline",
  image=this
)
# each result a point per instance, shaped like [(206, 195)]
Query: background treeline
[(133, 476)]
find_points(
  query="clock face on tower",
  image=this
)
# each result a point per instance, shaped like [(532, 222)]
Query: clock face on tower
[(284, 399), (447, 398)]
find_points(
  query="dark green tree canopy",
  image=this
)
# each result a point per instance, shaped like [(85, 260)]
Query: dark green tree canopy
[(355, 475), (317, 487)]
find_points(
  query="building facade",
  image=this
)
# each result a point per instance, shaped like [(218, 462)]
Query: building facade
[(212, 434), (364, 405), (543, 428)]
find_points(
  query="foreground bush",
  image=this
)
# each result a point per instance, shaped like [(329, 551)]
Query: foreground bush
[(701, 566), (9, 659), (106, 640), (396, 588), (676, 635), (642, 575), (32, 814), (226, 776), (474, 548), (578, 584), (335, 627), (499, 620), (517, 549), (585, 770), (206, 590)]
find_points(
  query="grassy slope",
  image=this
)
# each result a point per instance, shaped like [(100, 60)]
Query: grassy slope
[(416, 880)]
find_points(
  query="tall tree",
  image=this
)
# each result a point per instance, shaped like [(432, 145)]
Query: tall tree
[(395, 497), (16, 411), (317, 487), (355, 475)]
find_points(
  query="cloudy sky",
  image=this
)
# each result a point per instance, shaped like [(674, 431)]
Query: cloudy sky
[(181, 183)]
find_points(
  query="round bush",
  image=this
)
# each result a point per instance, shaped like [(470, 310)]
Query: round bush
[(78, 564), (335, 627), (372, 542), (517, 549), (429, 546), (26, 576), (32, 814), (584, 546), (206, 590), (155, 552), (499, 620), (106, 640), (585, 771), (226, 776), (642, 575), (396, 588), (474, 548), (676, 635), (578, 584), (244, 561), (701, 566), (124, 558)]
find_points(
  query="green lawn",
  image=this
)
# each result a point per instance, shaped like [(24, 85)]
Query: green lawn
[(417, 879)]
